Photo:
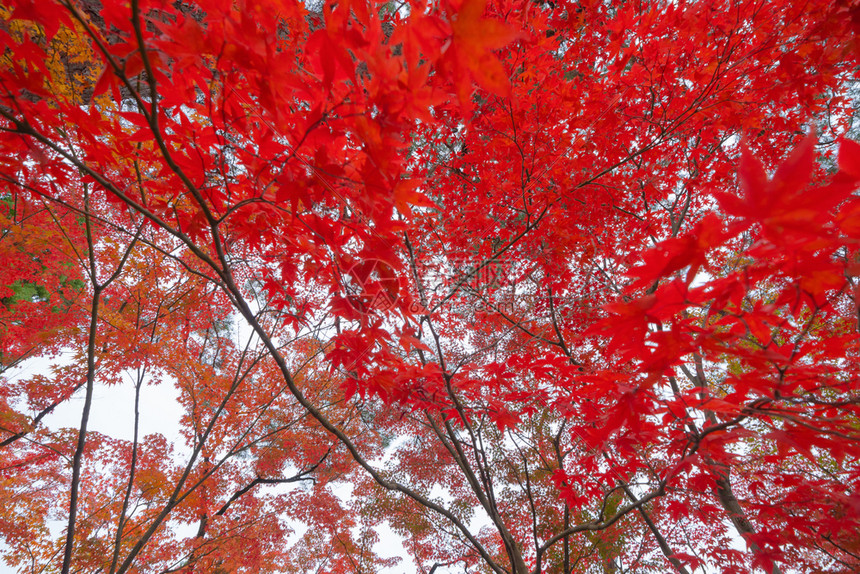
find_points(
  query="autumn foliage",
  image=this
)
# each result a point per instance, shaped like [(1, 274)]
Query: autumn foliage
[(541, 286)]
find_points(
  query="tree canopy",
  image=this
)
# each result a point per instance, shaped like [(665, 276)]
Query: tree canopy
[(543, 286)]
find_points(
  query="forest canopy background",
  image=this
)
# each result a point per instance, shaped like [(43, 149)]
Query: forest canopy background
[(549, 286)]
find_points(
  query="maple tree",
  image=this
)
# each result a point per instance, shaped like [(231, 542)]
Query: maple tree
[(546, 286)]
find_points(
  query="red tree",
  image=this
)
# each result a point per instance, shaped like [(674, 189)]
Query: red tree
[(550, 286)]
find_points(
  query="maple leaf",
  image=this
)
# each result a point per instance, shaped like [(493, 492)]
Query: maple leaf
[(474, 38), (784, 203)]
